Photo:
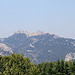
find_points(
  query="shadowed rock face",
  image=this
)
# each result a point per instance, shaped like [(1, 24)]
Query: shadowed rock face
[(39, 46)]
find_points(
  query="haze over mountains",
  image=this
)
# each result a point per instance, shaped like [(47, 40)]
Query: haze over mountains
[(39, 46)]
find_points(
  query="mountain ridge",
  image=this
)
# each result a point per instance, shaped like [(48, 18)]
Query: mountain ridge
[(41, 47)]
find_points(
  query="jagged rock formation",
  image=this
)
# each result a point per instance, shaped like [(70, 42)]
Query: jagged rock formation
[(30, 34), (39, 46)]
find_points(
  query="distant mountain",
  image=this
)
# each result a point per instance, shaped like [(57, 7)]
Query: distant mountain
[(39, 46)]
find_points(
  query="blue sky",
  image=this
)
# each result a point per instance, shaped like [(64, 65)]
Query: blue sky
[(54, 16)]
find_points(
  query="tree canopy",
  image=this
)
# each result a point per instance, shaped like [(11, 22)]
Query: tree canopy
[(17, 64)]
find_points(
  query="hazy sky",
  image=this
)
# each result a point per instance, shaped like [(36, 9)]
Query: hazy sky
[(54, 16)]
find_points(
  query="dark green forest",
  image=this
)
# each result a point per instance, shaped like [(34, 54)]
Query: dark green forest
[(17, 64)]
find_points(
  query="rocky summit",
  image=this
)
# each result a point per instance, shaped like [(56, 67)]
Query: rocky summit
[(38, 46)]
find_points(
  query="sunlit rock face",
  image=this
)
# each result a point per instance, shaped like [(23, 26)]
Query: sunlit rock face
[(5, 50), (70, 56), (30, 34)]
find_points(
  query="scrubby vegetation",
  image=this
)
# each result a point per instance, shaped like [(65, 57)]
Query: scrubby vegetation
[(17, 64)]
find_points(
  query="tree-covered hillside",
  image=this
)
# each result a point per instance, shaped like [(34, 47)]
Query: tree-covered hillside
[(17, 64)]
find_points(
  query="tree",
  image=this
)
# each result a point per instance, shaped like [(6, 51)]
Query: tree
[(62, 66)]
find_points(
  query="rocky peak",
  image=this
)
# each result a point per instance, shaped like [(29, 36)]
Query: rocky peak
[(30, 34), (20, 31), (37, 33)]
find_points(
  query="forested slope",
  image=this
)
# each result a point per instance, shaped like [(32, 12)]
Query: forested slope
[(20, 65)]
